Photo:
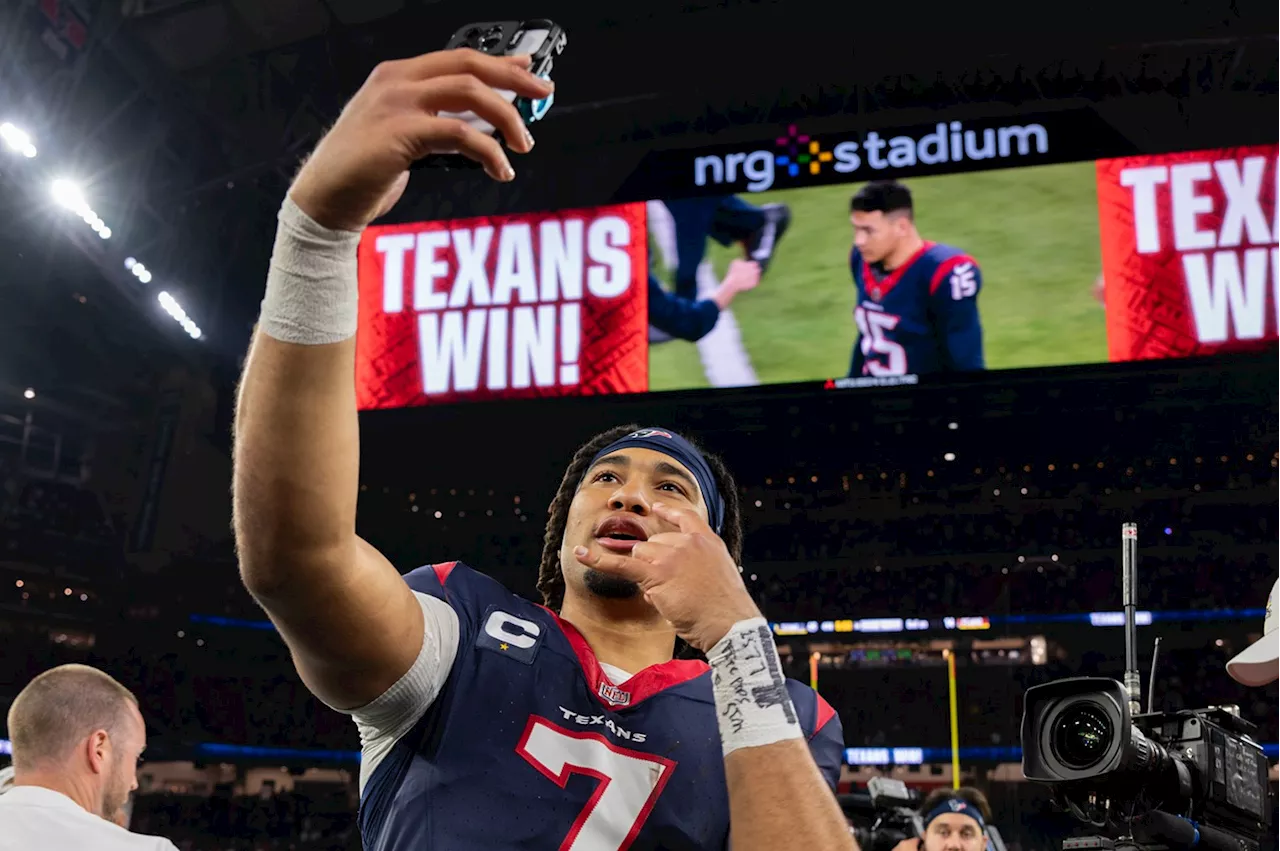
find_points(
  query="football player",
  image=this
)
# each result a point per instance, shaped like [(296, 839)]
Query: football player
[(488, 722), (917, 301)]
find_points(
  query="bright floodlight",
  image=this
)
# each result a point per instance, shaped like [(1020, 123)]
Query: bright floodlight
[(16, 140), (129, 262), (171, 307), (69, 195), (29, 393)]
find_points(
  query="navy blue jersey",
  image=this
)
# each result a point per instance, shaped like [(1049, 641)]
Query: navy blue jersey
[(922, 317), (530, 746)]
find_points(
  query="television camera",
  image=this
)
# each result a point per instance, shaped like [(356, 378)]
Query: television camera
[(889, 812), (884, 815), (1193, 778)]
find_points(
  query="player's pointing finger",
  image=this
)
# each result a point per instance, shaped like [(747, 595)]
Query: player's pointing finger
[(686, 521), (616, 564)]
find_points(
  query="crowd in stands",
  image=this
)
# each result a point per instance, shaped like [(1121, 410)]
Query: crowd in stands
[(270, 821), (814, 547), (46, 521), (1226, 580)]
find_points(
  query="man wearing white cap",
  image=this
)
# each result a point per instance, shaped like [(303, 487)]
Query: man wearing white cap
[(1259, 663)]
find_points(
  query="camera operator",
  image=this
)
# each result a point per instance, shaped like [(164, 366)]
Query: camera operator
[(953, 820)]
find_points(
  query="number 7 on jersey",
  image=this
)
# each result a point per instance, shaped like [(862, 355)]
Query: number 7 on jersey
[(630, 782)]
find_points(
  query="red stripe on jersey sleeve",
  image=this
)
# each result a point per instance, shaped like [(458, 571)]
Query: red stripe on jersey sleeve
[(944, 269)]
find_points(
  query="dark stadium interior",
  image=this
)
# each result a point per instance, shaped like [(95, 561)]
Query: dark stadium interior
[(996, 496)]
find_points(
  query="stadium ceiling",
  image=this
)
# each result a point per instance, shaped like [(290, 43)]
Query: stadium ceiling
[(185, 119)]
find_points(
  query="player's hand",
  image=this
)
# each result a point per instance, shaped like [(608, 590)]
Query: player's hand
[(688, 576), (741, 276), (360, 168)]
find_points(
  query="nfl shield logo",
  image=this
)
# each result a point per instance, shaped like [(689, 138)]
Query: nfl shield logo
[(614, 695), (874, 292)]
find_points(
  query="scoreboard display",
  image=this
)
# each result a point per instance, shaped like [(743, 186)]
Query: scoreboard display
[(751, 272)]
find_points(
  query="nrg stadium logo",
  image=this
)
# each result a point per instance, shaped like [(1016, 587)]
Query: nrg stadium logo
[(796, 154)]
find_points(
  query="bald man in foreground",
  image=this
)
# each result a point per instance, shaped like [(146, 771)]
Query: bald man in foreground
[(77, 737)]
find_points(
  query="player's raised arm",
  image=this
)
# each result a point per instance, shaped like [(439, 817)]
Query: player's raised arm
[(351, 622), (778, 798)]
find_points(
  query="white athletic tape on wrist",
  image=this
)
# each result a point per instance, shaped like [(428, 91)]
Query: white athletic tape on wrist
[(752, 703), (312, 285)]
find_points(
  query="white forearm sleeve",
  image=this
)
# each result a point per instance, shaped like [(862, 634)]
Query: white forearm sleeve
[(752, 702), (312, 285)]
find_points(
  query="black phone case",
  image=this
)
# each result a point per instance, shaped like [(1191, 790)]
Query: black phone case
[(497, 38)]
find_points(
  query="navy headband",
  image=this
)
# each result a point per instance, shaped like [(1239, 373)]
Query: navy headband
[(956, 805), (673, 445)]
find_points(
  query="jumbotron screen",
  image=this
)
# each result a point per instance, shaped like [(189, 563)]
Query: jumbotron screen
[(1018, 262)]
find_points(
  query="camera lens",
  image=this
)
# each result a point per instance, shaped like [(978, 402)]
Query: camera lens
[(490, 40), (1082, 735)]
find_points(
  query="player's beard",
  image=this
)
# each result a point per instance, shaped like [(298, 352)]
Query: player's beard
[(608, 586)]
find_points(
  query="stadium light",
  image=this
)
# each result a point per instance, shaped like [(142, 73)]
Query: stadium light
[(69, 195), (141, 272), (29, 393), (17, 140), (171, 307)]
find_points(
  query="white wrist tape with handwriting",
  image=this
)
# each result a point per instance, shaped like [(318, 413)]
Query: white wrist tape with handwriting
[(752, 703), (312, 285)]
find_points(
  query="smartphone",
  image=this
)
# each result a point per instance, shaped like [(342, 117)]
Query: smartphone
[(541, 39)]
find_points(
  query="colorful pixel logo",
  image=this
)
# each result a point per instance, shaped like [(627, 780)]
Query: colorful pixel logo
[(801, 151), (794, 155)]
